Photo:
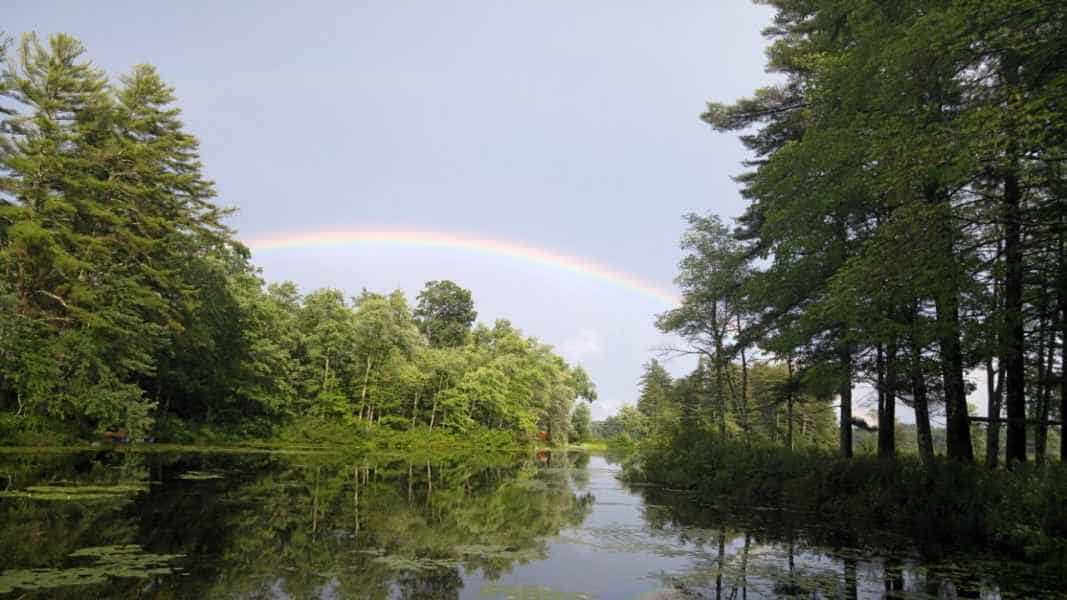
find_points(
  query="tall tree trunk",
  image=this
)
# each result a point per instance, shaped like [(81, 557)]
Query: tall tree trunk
[(887, 423), (720, 388), (1014, 347), (995, 378), (722, 397), (363, 394), (947, 308), (1063, 348), (1014, 343), (957, 424), (846, 401), (744, 385), (922, 407), (1044, 394), (1038, 386), (994, 393), (789, 403), (879, 388)]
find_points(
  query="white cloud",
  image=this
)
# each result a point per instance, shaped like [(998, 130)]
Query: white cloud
[(584, 345)]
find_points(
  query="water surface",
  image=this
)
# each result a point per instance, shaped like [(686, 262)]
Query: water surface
[(324, 525)]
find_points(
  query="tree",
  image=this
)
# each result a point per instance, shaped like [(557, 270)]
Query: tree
[(123, 295), (445, 313), (581, 422), (656, 399), (713, 275)]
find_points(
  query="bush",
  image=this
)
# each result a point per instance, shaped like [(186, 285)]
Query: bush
[(34, 430)]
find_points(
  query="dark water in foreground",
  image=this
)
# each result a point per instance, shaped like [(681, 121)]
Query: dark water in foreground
[(291, 525)]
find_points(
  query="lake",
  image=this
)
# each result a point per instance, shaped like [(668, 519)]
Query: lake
[(306, 524)]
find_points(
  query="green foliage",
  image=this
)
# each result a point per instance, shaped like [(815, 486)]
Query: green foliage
[(655, 399), (35, 430), (445, 313), (770, 407), (905, 218), (126, 305), (581, 422), (946, 504)]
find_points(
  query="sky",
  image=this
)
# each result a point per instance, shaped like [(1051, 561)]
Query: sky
[(569, 127)]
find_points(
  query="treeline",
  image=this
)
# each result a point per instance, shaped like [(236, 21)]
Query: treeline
[(906, 220), (772, 409), (125, 299)]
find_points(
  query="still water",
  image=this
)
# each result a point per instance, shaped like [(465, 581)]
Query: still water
[(318, 525)]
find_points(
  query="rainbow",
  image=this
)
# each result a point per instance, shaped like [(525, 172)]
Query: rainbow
[(420, 238)]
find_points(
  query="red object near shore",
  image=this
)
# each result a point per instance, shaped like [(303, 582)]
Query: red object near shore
[(119, 437)]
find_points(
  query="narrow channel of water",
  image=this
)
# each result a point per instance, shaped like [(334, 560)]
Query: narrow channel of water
[(320, 525)]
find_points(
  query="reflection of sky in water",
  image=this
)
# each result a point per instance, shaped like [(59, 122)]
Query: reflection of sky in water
[(617, 553), (585, 560)]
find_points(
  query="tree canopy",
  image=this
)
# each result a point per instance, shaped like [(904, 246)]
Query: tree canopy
[(126, 304)]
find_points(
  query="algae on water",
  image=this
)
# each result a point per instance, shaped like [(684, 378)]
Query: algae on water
[(414, 565), (199, 475), (77, 492), (106, 562)]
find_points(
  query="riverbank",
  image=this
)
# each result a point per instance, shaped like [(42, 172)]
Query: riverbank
[(1020, 513)]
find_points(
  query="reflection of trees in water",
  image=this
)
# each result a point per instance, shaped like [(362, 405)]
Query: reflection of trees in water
[(443, 583), (404, 525), (772, 554), (39, 533), (579, 470), (44, 533), (299, 524)]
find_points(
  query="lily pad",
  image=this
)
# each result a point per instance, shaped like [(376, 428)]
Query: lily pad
[(107, 562)]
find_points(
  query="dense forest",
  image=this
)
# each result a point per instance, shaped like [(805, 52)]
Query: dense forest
[(904, 233), (905, 229), (127, 304)]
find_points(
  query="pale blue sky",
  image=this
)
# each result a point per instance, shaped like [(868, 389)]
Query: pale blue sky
[(572, 126)]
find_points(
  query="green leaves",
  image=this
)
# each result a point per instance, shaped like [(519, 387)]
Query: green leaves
[(445, 313), (124, 293)]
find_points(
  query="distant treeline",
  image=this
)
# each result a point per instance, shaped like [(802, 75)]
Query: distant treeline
[(124, 298), (774, 411), (906, 224)]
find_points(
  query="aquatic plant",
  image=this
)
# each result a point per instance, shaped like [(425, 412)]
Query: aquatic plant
[(199, 476), (107, 561), (77, 492), (410, 564)]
